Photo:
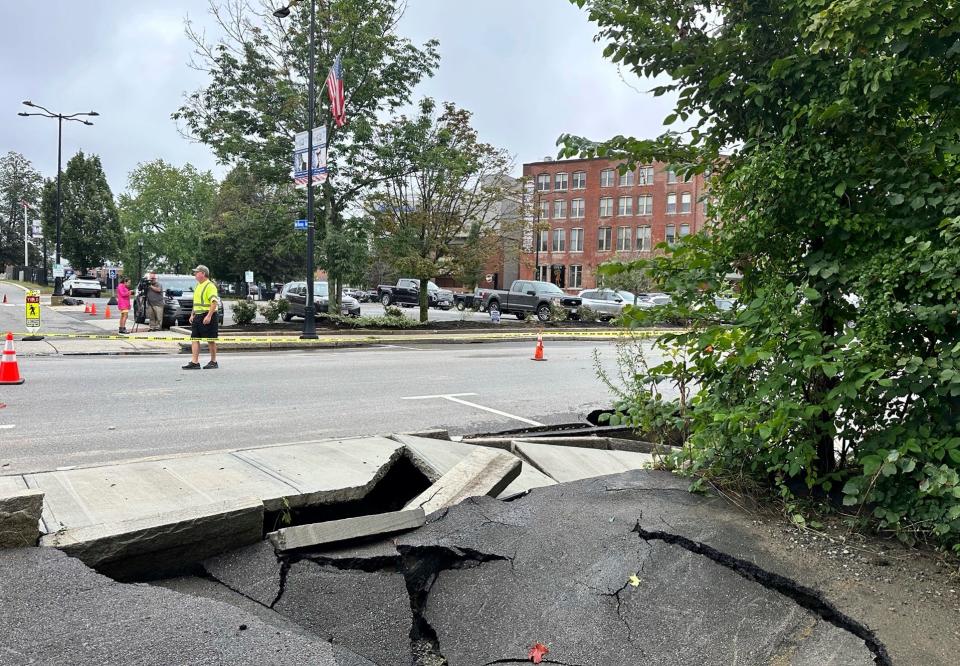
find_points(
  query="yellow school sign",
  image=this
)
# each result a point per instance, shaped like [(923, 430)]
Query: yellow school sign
[(32, 311)]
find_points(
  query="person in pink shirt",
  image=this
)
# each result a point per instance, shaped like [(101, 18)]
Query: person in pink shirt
[(123, 303)]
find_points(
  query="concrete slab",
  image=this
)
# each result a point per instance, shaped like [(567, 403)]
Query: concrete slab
[(483, 472), (20, 518), (435, 458), (90, 619), (112, 493), (335, 531), (165, 543), (565, 463), (327, 472), (11, 484)]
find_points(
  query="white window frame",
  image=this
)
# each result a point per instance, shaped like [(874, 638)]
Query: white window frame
[(559, 240), (672, 203), (582, 177), (624, 239), (644, 238), (606, 203), (543, 182), (626, 179), (686, 202), (645, 209), (576, 276), (577, 209), (670, 234), (625, 211), (601, 237), (560, 209), (576, 239), (543, 273), (671, 177), (645, 175), (684, 230), (606, 178), (544, 209), (543, 243), (560, 181)]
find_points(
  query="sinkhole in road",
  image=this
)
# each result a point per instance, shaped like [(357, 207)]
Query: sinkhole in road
[(401, 483)]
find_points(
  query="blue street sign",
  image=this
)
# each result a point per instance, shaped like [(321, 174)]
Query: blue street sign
[(113, 273), (300, 224)]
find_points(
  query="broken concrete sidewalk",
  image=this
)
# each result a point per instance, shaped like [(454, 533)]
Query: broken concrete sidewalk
[(482, 472)]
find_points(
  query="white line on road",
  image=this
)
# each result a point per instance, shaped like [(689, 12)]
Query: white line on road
[(432, 397), (6, 426), (452, 397)]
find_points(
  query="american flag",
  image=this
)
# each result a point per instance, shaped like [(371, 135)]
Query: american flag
[(335, 91)]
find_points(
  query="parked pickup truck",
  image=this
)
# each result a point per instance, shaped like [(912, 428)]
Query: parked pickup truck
[(528, 297), (407, 292)]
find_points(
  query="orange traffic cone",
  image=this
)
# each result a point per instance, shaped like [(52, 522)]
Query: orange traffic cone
[(9, 371), (86, 309), (538, 352), (106, 313), (93, 309)]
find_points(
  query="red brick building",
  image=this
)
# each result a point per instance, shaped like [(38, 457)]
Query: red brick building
[(596, 214)]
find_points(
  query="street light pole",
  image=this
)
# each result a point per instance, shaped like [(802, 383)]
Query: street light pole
[(309, 314), (58, 280), (140, 259)]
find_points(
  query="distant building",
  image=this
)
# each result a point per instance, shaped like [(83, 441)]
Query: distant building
[(589, 213)]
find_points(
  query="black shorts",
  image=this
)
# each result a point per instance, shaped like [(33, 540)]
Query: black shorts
[(201, 330)]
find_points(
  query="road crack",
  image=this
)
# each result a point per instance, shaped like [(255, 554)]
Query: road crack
[(804, 597)]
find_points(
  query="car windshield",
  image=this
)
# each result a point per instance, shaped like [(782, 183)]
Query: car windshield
[(626, 296), (181, 284), (321, 289), (549, 288)]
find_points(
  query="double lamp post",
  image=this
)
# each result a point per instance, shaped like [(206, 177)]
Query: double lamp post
[(78, 117)]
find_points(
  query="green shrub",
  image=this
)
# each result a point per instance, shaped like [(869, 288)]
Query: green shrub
[(273, 310), (393, 311), (244, 312), (588, 314), (558, 312)]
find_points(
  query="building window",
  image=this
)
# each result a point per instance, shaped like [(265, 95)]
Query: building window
[(645, 204), (671, 234), (543, 273), (576, 276), (644, 239), (645, 175), (576, 240), (624, 240), (543, 182), (606, 207), (625, 206), (671, 177), (684, 230), (672, 203), (560, 209), (576, 209), (559, 240), (606, 178), (544, 240), (686, 202), (626, 179), (560, 182), (580, 180), (544, 210), (604, 238)]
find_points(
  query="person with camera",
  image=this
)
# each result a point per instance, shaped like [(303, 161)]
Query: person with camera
[(154, 303)]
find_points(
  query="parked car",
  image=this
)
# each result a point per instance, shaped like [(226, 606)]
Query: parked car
[(527, 297), (177, 299), (466, 301), (607, 303), (407, 292), (77, 285), (296, 294)]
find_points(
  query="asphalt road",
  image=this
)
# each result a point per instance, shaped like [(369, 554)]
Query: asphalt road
[(90, 409)]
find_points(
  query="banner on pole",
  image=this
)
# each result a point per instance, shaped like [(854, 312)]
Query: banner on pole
[(300, 149)]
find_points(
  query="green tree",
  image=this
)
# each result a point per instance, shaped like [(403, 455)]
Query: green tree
[(168, 209), (90, 227), (19, 182), (445, 184), (255, 102), (251, 228), (839, 207)]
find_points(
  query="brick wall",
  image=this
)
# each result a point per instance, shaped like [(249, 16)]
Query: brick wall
[(561, 264)]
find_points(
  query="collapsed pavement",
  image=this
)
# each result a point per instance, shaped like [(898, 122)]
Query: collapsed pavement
[(619, 569)]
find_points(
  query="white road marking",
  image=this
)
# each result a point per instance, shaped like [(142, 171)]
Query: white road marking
[(7, 426), (453, 397), (433, 397)]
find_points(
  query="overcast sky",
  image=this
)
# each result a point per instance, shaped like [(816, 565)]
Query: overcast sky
[(528, 69)]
